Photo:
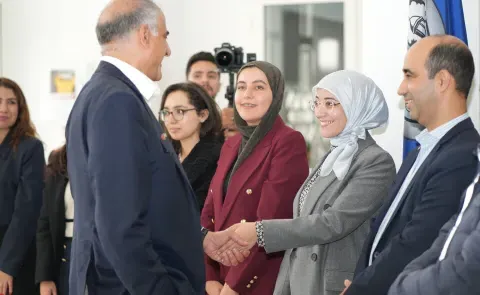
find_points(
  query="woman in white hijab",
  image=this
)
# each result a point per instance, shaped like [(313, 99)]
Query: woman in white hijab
[(333, 208)]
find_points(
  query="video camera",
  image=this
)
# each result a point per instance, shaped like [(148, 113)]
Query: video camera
[(229, 59)]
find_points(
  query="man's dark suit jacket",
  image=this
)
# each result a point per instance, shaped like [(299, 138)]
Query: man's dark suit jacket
[(431, 199), (137, 226)]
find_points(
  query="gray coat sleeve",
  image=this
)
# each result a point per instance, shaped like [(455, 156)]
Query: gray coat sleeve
[(359, 200), (431, 255), (456, 274)]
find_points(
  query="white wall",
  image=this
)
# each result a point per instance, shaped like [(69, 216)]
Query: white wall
[(60, 34), (472, 15), (42, 35), (383, 48), (48, 34)]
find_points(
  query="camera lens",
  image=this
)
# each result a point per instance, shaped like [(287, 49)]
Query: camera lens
[(224, 58)]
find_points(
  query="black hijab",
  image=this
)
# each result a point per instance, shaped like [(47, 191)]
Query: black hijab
[(252, 135)]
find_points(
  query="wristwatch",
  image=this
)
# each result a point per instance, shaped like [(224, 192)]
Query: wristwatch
[(204, 232)]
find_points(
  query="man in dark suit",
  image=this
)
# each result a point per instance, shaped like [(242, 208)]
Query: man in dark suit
[(438, 73), (137, 228)]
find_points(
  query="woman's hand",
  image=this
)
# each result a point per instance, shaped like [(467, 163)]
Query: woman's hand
[(6, 283), (247, 233), (244, 237), (48, 288), (228, 291), (212, 288)]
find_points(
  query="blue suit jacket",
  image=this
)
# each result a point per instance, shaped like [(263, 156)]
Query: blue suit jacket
[(431, 199), (137, 226)]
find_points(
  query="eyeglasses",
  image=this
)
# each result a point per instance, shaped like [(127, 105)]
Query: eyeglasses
[(177, 114), (328, 104)]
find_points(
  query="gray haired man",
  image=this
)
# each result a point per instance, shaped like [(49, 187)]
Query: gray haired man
[(137, 227)]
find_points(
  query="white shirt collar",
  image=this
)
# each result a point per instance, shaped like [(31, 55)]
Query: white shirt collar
[(442, 130), (145, 85), (432, 137)]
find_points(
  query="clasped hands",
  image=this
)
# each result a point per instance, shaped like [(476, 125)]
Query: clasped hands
[(232, 246)]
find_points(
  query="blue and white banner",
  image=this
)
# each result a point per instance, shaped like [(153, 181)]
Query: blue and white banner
[(430, 17)]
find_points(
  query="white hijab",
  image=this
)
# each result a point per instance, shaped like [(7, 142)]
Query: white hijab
[(365, 108)]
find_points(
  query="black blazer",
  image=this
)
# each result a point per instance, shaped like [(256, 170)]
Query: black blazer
[(51, 229), (21, 185), (432, 198), (200, 166)]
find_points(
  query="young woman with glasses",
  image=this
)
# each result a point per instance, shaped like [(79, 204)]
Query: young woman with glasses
[(193, 123)]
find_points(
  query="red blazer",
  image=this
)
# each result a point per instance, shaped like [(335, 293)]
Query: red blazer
[(263, 187)]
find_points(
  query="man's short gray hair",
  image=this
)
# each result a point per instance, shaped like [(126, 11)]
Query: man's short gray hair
[(122, 24)]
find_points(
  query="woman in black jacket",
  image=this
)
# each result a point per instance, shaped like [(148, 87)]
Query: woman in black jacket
[(55, 228), (194, 125), (22, 165)]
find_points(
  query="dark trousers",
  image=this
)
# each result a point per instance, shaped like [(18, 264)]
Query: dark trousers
[(62, 281)]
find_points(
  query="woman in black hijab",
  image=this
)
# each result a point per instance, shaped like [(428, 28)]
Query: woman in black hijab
[(258, 174)]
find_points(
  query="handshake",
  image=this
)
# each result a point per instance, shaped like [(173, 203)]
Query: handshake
[(231, 246)]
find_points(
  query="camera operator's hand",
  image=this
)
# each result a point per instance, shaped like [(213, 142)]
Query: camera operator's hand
[(228, 124)]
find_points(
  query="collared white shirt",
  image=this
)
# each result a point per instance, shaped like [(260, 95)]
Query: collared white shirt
[(428, 140), (145, 85)]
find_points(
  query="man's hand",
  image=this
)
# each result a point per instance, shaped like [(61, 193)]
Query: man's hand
[(213, 287), (228, 291), (48, 288), (243, 239), (215, 240), (6, 283), (347, 284)]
